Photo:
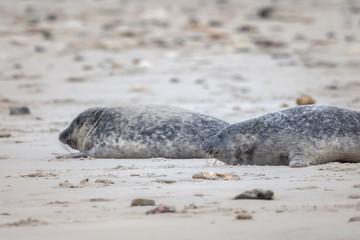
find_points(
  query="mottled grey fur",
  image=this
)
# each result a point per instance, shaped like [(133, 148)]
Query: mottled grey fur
[(140, 131), (297, 137)]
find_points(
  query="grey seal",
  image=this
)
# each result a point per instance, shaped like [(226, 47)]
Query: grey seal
[(298, 137), (140, 131)]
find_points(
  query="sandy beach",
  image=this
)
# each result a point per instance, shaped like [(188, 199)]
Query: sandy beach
[(234, 60)]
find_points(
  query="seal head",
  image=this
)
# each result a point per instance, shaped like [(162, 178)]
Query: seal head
[(80, 127), (230, 147)]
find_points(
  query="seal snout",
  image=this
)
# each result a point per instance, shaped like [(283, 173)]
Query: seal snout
[(208, 146)]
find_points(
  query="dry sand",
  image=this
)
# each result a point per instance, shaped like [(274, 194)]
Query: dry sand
[(215, 57)]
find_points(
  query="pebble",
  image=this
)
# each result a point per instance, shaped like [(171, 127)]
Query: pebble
[(166, 181), (354, 219), (39, 49), (305, 100), (174, 80), (269, 44), (200, 81), (162, 209), (246, 29), (78, 58), (331, 35), (256, 194), (17, 66), (19, 110), (243, 216), (4, 135), (142, 202), (215, 23), (76, 79), (88, 67), (266, 12), (47, 35), (51, 17)]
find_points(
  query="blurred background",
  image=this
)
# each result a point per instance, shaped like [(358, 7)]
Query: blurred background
[(232, 59)]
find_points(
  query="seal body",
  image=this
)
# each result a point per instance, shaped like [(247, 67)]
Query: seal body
[(140, 131), (297, 137)]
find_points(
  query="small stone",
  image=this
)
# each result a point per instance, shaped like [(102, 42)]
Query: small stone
[(174, 80), (166, 181), (17, 66), (142, 202), (354, 196), (305, 100), (215, 23), (243, 216), (266, 12), (78, 58), (51, 17), (349, 38), (76, 79), (100, 200), (256, 194), (39, 49), (284, 105), (88, 67), (269, 43), (200, 81), (139, 89), (19, 110), (162, 209), (331, 35), (47, 35), (332, 87), (4, 135), (355, 219), (246, 29)]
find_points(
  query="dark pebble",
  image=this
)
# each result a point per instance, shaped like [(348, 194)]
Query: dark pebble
[(19, 110), (174, 80), (331, 35), (256, 194), (215, 23), (246, 29), (332, 87), (5, 135), (266, 12), (39, 49), (17, 66), (78, 58), (51, 17), (47, 35), (142, 202)]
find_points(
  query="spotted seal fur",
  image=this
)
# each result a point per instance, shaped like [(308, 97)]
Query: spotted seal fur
[(297, 137), (140, 131)]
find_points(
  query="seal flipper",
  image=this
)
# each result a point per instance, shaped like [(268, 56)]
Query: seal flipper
[(298, 158), (85, 154)]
